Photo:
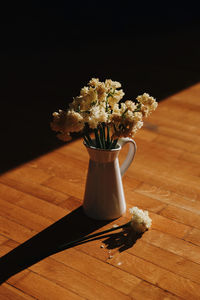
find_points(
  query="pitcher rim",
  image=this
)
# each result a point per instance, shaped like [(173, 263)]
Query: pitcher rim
[(104, 150)]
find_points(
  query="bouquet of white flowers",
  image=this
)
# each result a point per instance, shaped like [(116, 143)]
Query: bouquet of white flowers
[(98, 108)]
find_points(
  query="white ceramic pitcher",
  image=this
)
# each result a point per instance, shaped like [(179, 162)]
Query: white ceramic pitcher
[(104, 194)]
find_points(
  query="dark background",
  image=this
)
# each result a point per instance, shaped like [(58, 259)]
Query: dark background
[(49, 51)]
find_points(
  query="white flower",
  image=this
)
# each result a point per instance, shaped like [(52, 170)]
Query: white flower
[(97, 115), (137, 116), (112, 84), (59, 119), (86, 99), (118, 95), (94, 82), (66, 122), (130, 105), (148, 104), (116, 109), (74, 121), (145, 99), (140, 219), (84, 91)]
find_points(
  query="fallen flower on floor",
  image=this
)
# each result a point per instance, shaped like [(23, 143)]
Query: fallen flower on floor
[(140, 219)]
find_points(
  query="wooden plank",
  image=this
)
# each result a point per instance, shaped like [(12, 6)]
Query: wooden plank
[(166, 121), (28, 173), (157, 276), (60, 165), (166, 159), (73, 152), (181, 215), (18, 277), (166, 178), (43, 208), (73, 187), (178, 134), (144, 290), (71, 203), (144, 202), (193, 158), (41, 288), (169, 226), (178, 144), (169, 197), (173, 244), (113, 277), (31, 203), (8, 292), (15, 231), (3, 239), (7, 246), (75, 281), (10, 194), (23, 216), (148, 133), (34, 189), (155, 150), (193, 237), (166, 260), (175, 111)]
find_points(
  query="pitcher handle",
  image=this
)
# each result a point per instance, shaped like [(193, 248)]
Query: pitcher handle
[(131, 153)]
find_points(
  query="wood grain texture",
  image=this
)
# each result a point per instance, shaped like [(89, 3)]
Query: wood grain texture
[(40, 207)]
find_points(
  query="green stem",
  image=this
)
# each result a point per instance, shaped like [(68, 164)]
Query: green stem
[(102, 136), (138, 107), (89, 139), (107, 103), (108, 137), (86, 140), (98, 141), (113, 144)]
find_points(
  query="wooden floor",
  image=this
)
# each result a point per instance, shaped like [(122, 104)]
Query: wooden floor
[(40, 208)]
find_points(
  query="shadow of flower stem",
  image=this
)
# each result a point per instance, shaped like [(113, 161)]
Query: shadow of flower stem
[(91, 236)]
